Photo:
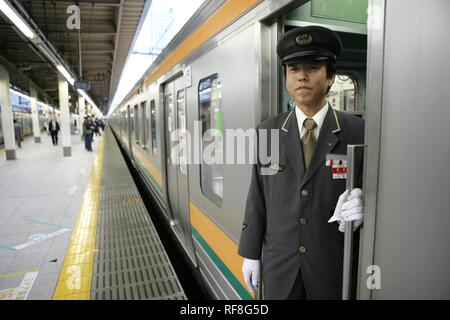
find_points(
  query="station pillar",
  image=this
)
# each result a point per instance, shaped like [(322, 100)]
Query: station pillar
[(7, 115), (63, 89), (35, 115), (82, 112)]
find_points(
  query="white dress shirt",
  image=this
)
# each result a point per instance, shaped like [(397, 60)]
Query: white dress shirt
[(319, 117)]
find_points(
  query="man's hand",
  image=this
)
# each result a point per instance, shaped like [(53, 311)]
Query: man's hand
[(349, 208), (250, 269)]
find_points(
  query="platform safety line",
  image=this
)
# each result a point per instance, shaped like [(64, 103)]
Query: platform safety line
[(75, 279)]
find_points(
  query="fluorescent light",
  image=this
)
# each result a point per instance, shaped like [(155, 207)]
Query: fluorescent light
[(12, 15), (65, 73), (47, 53), (87, 98)]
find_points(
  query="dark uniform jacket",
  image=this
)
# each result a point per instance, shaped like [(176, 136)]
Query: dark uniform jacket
[(287, 213)]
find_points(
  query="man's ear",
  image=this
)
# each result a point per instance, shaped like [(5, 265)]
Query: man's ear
[(330, 80)]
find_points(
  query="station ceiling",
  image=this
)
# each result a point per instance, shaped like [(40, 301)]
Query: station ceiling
[(107, 31)]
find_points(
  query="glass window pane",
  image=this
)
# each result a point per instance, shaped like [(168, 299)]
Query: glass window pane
[(153, 125), (169, 108), (144, 119), (342, 93), (131, 122), (136, 124), (210, 98), (181, 126)]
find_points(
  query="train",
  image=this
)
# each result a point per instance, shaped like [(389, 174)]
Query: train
[(21, 106), (221, 72)]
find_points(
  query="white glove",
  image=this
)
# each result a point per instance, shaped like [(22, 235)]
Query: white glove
[(250, 269), (349, 208)]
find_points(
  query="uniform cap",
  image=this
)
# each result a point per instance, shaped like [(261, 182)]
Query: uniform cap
[(308, 44)]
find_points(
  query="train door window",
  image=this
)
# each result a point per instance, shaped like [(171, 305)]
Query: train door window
[(131, 121), (136, 123), (342, 94), (210, 97), (153, 125), (144, 119), (181, 122), (123, 120)]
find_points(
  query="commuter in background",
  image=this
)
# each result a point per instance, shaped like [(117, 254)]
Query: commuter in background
[(53, 128), (18, 133), (88, 132), (102, 124), (97, 126)]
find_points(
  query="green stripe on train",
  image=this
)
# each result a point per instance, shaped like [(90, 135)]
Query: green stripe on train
[(222, 267)]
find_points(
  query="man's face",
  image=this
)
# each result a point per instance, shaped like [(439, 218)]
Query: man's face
[(307, 83)]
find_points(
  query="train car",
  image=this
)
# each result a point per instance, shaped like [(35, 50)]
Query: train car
[(221, 72), (21, 106)]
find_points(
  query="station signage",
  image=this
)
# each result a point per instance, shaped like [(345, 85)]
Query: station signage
[(83, 85)]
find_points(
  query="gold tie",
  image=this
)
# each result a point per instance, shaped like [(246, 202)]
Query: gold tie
[(308, 140)]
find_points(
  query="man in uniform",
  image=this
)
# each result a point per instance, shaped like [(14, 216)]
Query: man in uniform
[(294, 217)]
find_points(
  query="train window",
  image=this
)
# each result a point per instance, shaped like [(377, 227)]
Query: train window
[(144, 119), (130, 122), (153, 125), (136, 123), (210, 97), (342, 93), (181, 125), (124, 121)]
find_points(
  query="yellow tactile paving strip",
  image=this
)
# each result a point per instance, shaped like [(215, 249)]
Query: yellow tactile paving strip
[(75, 279)]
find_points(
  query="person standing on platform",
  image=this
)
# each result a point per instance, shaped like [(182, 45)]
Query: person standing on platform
[(53, 128), (88, 132), (297, 207), (97, 127), (18, 133)]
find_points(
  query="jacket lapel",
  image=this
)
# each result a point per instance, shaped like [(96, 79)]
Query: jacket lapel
[(328, 139), (290, 137)]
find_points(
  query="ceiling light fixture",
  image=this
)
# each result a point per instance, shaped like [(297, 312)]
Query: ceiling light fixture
[(66, 74), (16, 19)]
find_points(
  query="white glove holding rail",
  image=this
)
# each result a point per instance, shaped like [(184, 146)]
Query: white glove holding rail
[(349, 208), (250, 269)]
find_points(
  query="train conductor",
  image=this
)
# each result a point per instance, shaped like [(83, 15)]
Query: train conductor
[(294, 215)]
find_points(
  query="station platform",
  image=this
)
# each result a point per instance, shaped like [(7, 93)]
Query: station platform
[(76, 228)]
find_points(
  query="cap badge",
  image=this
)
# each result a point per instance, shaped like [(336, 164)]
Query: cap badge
[(303, 39)]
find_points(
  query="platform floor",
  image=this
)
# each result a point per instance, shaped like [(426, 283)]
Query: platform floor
[(76, 228)]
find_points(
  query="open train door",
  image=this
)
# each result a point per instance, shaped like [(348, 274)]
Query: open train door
[(177, 169), (406, 223), (349, 21)]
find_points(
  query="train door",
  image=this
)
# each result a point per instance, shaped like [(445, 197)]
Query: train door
[(177, 173), (406, 224), (347, 94)]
